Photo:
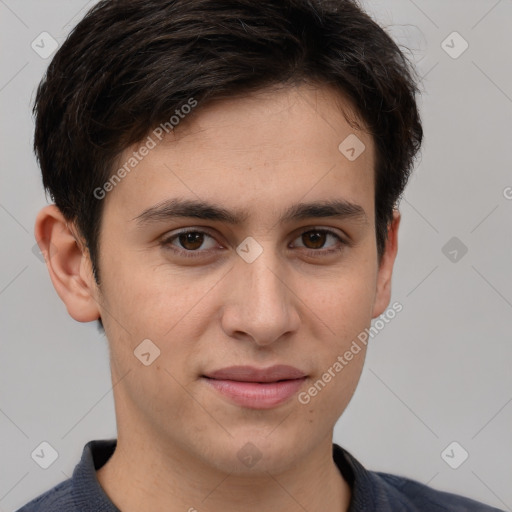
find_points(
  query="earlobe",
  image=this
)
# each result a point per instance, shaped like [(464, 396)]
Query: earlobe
[(385, 272), (68, 263)]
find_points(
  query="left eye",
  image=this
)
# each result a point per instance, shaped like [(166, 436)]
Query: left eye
[(315, 239)]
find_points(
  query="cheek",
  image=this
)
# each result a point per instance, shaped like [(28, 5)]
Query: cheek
[(332, 387), (344, 304), (154, 300), (343, 300), (173, 312)]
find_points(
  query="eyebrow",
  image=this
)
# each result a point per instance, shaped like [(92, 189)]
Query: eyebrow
[(176, 208)]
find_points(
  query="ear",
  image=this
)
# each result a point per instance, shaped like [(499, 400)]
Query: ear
[(383, 293), (68, 263)]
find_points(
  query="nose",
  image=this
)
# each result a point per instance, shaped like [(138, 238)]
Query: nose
[(259, 301)]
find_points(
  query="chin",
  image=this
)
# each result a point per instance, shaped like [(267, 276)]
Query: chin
[(250, 454)]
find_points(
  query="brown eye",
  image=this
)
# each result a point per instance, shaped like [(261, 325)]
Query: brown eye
[(314, 239), (191, 240), (190, 243), (321, 242)]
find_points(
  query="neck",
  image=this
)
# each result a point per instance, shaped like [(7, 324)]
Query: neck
[(159, 477)]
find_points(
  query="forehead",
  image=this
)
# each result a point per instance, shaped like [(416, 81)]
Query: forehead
[(256, 151)]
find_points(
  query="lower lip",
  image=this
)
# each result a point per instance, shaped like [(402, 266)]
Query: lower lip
[(256, 395)]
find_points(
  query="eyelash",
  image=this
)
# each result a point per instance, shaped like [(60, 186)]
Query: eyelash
[(167, 243)]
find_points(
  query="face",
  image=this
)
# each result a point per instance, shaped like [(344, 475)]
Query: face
[(254, 280)]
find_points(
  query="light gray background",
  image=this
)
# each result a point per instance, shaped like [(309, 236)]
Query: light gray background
[(439, 372)]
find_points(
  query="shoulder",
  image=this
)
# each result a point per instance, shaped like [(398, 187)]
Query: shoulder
[(56, 499), (82, 492), (421, 497), (384, 492)]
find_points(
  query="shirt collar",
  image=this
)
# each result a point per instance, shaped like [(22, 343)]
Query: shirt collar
[(88, 494)]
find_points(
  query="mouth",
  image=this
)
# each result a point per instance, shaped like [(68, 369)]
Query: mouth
[(256, 388)]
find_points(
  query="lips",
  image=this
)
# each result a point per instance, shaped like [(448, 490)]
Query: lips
[(252, 374), (256, 388)]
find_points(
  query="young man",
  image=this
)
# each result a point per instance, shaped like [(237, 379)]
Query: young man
[(225, 176)]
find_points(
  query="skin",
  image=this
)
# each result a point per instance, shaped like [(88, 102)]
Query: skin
[(178, 438)]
